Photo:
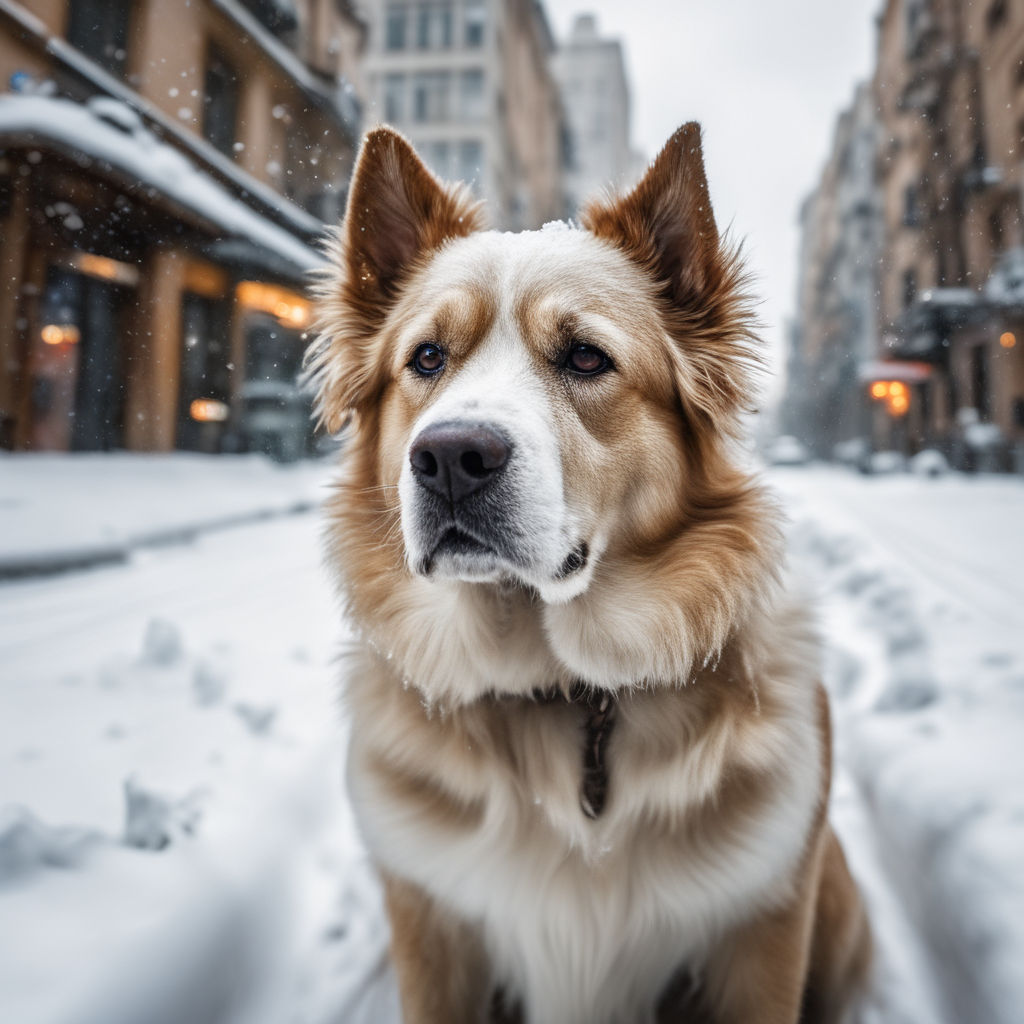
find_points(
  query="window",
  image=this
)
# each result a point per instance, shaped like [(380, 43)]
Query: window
[(995, 16), (220, 102), (99, 28), (434, 26), (909, 287), (471, 157), (394, 27), (394, 98), (995, 230), (980, 397), (919, 24), (437, 156), (205, 377), (474, 23), (471, 95), (911, 212), (430, 91)]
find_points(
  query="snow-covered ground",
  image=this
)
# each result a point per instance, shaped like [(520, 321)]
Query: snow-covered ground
[(174, 843)]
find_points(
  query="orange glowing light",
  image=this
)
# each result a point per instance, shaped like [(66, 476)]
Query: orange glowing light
[(1007, 339), (208, 410), (897, 389), (879, 389), (290, 308), (898, 404), (60, 334)]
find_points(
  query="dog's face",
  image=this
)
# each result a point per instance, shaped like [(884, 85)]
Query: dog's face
[(527, 416), (533, 408)]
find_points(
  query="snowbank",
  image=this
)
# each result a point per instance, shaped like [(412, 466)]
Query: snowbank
[(62, 511)]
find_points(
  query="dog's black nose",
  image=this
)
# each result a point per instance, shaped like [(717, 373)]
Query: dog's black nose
[(456, 459)]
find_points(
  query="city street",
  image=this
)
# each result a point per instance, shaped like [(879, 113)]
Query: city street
[(174, 841)]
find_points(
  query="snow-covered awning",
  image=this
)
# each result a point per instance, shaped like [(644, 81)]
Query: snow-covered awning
[(112, 135), (881, 369)]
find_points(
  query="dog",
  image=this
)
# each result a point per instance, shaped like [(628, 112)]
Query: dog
[(590, 752)]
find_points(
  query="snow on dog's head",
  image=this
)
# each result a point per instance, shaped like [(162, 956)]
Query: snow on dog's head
[(532, 412)]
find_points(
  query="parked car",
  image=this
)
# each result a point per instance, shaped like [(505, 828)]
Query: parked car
[(786, 450)]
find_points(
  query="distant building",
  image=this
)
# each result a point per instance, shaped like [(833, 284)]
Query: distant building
[(469, 83), (592, 75), (950, 92), (834, 336), (165, 172)]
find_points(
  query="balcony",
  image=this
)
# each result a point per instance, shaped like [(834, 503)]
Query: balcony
[(925, 330)]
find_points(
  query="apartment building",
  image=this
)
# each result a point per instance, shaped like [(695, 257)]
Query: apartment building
[(166, 169), (950, 92), (591, 73), (835, 332), (469, 82)]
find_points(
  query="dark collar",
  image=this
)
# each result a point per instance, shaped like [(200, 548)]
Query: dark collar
[(599, 707)]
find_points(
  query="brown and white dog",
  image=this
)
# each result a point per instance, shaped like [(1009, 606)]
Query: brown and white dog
[(590, 753)]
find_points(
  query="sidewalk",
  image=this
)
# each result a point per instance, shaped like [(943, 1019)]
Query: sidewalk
[(65, 512)]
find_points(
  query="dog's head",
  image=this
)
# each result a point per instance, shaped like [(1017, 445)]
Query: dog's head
[(540, 409)]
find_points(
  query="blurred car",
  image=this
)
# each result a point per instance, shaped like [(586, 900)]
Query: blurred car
[(786, 450)]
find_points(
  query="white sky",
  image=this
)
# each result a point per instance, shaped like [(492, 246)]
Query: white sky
[(767, 79)]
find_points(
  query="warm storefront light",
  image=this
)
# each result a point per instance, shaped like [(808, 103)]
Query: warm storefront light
[(208, 410), (1007, 339), (290, 308), (894, 393), (60, 334)]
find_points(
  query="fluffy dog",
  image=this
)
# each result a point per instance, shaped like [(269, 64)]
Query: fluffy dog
[(590, 753)]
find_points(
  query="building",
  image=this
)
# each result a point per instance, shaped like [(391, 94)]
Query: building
[(591, 73), (166, 170), (469, 82), (834, 339), (949, 87)]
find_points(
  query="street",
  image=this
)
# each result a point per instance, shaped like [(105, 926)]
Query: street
[(171, 748)]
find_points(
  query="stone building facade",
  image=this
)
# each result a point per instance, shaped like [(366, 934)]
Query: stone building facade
[(469, 82), (591, 73), (166, 170), (948, 97), (835, 331)]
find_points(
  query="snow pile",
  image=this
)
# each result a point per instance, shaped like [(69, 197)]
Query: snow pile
[(924, 613), (65, 510)]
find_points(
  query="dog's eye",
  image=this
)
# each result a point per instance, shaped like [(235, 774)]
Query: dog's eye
[(427, 360), (586, 360)]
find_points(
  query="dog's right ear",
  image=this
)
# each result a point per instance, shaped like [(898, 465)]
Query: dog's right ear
[(397, 213)]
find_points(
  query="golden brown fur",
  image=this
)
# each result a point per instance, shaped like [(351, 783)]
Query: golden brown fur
[(711, 886)]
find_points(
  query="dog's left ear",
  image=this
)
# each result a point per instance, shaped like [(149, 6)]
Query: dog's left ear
[(397, 214), (666, 223)]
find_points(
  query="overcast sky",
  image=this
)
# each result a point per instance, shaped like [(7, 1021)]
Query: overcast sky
[(767, 79)]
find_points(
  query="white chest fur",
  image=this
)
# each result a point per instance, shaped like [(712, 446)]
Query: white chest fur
[(587, 920)]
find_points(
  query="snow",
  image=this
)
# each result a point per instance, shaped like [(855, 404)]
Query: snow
[(57, 510), (174, 840), (109, 131)]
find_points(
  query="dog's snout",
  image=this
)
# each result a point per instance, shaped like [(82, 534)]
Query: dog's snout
[(456, 459)]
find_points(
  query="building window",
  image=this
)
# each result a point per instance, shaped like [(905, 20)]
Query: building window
[(220, 102), (430, 91), (437, 156), (995, 16), (911, 211), (919, 23), (474, 23), (980, 397), (205, 386), (909, 287), (394, 26), (434, 26), (470, 160), (394, 98), (99, 28), (471, 95), (995, 230)]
